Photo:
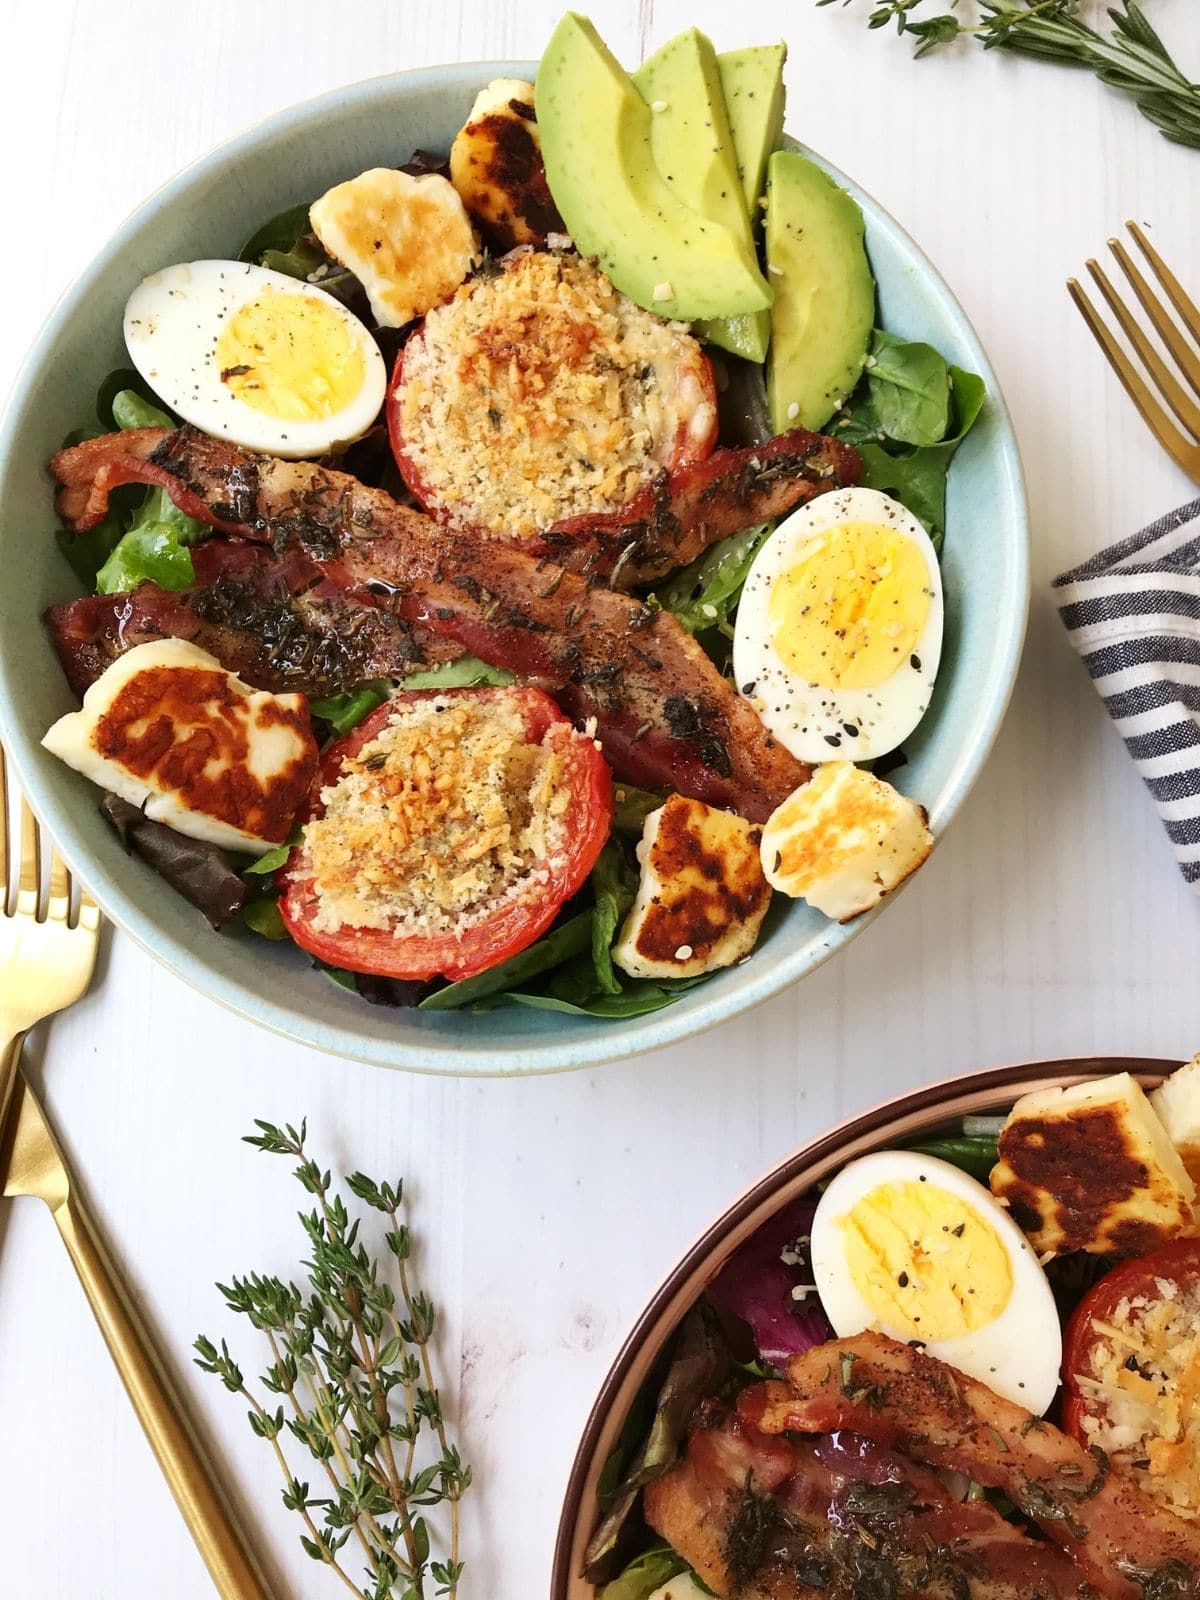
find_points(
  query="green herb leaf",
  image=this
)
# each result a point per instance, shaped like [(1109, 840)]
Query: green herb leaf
[(704, 594), (614, 887), (344, 712), (909, 386), (644, 1574), (567, 940), (262, 916)]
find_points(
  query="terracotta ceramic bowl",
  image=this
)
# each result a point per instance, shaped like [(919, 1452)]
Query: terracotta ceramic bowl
[(912, 1116)]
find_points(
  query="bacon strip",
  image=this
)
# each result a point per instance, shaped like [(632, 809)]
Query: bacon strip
[(1123, 1543), (667, 716), (765, 1518), (277, 624), (676, 518)]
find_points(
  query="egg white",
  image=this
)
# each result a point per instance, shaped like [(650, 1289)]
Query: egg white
[(1019, 1354), (173, 321), (813, 722)]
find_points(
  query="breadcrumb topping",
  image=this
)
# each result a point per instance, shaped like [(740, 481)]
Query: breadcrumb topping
[(443, 816), (541, 392), (1144, 1381)]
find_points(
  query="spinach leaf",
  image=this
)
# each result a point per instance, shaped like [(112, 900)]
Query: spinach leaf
[(909, 388), (699, 1365), (974, 1155), (568, 939), (262, 915), (272, 860), (286, 243), (121, 383), (466, 673), (87, 552), (917, 478), (705, 593), (153, 547), (132, 410), (279, 233), (345, 711), (645, 1574), (614, 891), (632, 806), (636, 1000)]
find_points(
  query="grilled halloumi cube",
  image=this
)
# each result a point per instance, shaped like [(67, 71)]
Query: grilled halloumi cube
[(1092, 1168), (167, 728), (702, 895), (1177, 1103), (407, 240), (843, 839), (496, 166)]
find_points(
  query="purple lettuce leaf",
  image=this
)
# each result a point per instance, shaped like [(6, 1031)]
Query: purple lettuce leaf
[(756, 1283)]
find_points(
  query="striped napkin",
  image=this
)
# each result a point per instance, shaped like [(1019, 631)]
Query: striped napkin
[(1133, 613)]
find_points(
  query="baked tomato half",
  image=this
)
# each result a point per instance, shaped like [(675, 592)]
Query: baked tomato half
[(1131, 1371), (445, 832), (539, 393)]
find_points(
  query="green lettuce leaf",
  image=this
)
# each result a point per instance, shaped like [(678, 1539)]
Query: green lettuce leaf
[(345, 711), (468, 672), (645, 1574), (568, 939), (262, 915), (153, 547), (705, 593)]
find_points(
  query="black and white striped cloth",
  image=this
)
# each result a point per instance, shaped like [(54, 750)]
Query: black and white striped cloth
[(1133, 613)]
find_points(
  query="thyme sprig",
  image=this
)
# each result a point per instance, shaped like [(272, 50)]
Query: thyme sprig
[(352, 1382), (1131, 58)]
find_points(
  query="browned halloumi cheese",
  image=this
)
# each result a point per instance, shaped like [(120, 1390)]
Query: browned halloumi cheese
[(702, 895), (1092, 1168), (1177, 1102), (168, 729), (496, 166)]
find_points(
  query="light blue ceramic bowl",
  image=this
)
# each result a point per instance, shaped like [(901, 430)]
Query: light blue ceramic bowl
[(207, 211)]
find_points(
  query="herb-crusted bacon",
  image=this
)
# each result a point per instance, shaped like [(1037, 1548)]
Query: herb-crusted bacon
[(1123, 1543), (277, 624), (679, 515), (760, 1517), (666, 715)]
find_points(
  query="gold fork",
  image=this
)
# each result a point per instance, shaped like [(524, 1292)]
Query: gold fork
[(1181, 444), (46, 958)]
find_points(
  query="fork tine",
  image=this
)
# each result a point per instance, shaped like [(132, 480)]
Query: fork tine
[(58, 905), (1188, 314), (1168, 332), (29, 880), (1155, 418), (1180, 403)]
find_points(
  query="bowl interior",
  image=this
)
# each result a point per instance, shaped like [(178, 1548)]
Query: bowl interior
[(911, 1116), (208, 211)]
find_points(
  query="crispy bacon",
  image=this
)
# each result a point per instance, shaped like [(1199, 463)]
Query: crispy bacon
[(1123, 1543), (676, 518), (277, 624), (667, 716), (760, 1517)]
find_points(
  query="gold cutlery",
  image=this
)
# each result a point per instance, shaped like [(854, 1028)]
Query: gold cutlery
[(1182, 443), (47, 952)]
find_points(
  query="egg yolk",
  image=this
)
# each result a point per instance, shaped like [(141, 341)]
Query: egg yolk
[(290, 356), (852, 607), (928, 1265)]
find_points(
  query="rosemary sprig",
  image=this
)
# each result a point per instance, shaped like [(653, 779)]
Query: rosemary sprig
[(1132, 58), (350, 1365)]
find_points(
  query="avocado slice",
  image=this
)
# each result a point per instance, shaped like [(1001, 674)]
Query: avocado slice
[(824, 293), (614, 201), (752, 81), (693, 148)]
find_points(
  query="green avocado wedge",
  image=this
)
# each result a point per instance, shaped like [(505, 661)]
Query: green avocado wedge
[(694, 150), (596, 143), (824, 293), (752, 82)]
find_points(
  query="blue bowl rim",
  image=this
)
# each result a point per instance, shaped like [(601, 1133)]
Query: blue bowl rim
[(611, 1041)]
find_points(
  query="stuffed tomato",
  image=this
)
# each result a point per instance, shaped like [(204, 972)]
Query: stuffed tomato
[(445, 832), (541, 393)]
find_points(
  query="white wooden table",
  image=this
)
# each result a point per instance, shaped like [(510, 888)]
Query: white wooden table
[(1051, 920)]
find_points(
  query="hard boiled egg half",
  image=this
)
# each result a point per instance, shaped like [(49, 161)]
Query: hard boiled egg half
[(909, 1246), (247, 354), (839, 628)]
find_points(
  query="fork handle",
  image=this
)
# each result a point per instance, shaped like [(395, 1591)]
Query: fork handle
[(206, 1510)]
